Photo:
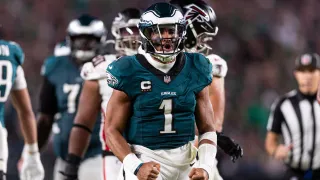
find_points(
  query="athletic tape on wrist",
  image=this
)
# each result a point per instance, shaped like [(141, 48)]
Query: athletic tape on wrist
[(132, 163), (31, 148), (212, 136), (206, 153)]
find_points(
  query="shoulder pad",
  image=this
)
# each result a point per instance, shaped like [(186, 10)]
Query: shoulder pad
[(61, 49), (219, 65), (122, 65), (119, 71), (88, 72), (97, 68), (111, 57), (18, 52), (201, 63), (48, 65)]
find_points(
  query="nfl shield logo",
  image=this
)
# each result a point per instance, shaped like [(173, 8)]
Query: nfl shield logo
[(167, 79)]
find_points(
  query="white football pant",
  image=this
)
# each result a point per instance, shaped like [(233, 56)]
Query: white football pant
[(90, 168), (174, 163)]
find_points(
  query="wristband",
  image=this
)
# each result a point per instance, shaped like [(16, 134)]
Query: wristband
[(31, 148), (132, 163), (137, 170), (212, 136), (206, 153)]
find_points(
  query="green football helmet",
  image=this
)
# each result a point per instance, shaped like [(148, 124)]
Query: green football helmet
[(162, 28), (85, 36)]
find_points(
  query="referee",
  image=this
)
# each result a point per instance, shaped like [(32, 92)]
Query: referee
[(296, 117)]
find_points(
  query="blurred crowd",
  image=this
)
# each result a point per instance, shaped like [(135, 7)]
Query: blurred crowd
[(259, 39)]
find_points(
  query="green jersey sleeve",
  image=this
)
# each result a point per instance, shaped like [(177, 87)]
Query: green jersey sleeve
[(18, 52), (118, 74), (204, 69), (48, 66)]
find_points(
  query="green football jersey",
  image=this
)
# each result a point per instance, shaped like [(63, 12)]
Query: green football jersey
[(64, 76), (11, 57), (163, 104)]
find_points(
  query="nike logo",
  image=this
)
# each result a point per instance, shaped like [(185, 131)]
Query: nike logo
[(110, 67)]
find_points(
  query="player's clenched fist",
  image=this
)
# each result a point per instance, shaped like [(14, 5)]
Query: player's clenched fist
[(198, 174), (149, 171)]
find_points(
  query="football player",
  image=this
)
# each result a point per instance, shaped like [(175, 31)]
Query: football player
[(199, 33), (201, 28), (158, 96), (59, 96), (13, 82), (96, 93)]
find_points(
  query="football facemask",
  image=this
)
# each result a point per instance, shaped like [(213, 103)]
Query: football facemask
[(165, 40), (84, 47), (129, 40)]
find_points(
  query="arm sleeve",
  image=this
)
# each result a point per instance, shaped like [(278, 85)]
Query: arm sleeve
[(275, 118), (48, 101), (20, 81)]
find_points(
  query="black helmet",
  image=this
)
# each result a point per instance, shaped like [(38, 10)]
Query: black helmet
[(125, 30), (85, 36), (201, 23)]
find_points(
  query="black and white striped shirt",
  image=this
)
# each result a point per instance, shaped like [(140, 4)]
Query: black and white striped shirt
[(297, 118)]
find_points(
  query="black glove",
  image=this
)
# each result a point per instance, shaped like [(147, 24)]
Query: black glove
[(2, 175), (229, 146), (70, 171)]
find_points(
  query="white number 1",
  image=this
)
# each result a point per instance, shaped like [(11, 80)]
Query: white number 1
[(167, 106), (73, 90)]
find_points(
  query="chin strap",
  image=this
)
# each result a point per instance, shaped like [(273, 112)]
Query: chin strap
[(165, 58)]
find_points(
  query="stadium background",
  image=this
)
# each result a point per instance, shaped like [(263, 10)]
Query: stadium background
[(259, 39)]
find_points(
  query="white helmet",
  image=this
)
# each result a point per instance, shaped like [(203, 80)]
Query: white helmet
[(125, 30)]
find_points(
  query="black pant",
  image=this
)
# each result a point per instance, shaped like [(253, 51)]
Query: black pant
[(302, 175)]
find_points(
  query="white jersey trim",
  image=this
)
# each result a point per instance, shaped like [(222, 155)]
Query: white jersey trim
[(20, 81)]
